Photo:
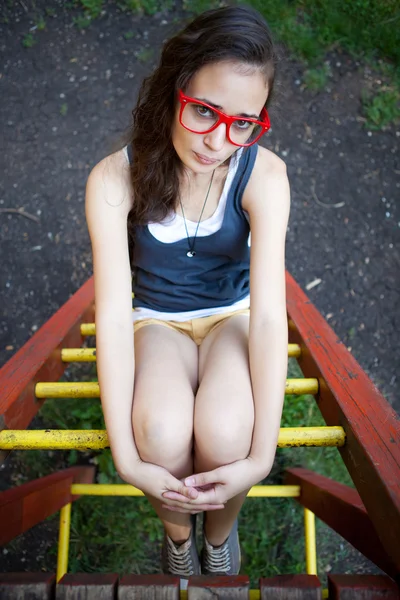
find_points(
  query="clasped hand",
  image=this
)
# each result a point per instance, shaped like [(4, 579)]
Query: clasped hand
[(211, 490)]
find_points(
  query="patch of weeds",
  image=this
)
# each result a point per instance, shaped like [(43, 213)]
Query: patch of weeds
[(92, 8), (128, 35), (145, 54), (196, 7), (316, 79), (148, 7), (64, 109), (129, 5), (40, 24), (50, 12), (382, 108), (271, 537), (29, 40), (81, 21), (119, 535)]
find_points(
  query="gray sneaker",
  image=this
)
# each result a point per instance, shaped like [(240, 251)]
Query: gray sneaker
[(182, 560), (222, 560)]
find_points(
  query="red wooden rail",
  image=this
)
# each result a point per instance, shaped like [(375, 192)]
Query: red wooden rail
[(367, 587), (24, 506), (347, 397), (341, 507), (40, 359)]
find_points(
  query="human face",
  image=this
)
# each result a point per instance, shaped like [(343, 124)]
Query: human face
[(227, 87)]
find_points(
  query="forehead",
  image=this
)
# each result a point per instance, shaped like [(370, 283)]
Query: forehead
[(235, 87)]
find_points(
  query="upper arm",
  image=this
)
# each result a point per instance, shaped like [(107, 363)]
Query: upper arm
[(267, 201), (107, 205)]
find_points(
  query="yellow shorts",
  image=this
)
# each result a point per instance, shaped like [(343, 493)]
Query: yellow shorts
[(197, 328)]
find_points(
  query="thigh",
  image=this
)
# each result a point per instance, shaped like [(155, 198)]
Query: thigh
[(224, 408), (166, 377)]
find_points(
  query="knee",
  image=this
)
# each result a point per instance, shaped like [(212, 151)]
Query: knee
[(222, 441), (164, 442)]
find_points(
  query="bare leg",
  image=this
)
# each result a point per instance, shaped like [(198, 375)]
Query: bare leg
[(224, 413), (166, 371)]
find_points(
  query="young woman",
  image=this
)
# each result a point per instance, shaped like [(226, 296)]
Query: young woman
[(192, 387)]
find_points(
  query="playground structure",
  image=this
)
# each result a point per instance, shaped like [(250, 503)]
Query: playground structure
[(359, 422)]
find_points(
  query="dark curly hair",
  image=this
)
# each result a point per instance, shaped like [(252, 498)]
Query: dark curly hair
[(237, 33)]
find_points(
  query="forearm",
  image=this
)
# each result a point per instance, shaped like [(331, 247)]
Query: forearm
[(268, 357), (116, 368)]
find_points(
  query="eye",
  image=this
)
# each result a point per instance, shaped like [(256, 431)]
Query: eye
[(203, 111), (242, 124)]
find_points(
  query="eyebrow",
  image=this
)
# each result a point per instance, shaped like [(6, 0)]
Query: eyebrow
[(220, 108)]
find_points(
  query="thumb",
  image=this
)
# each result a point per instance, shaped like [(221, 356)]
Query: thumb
[(201, 479)]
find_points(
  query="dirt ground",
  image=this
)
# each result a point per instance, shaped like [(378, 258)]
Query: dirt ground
[(67, 100)]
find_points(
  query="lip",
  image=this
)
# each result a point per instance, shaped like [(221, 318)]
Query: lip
[(204, 159)]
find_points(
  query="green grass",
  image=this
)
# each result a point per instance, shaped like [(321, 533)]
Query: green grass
[(317, 79), (124, 535)]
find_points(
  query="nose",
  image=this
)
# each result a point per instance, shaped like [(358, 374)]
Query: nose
[(215, 139)]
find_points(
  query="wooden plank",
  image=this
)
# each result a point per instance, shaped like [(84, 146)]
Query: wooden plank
[(40, 359), (347, 397), (27, 586), (87, 586), (148, 587), (24, 506), (341, 507), (223, 587), (362, 587), (290, 587)]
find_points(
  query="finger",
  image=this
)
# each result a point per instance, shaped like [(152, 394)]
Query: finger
[(192, 511), (175, 485), (211, 496), (189, 506), (200, 479), (175, 496)]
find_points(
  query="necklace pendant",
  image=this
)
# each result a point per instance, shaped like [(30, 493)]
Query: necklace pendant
[(191, 253)]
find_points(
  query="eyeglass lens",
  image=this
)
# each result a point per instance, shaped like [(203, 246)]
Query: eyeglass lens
[(201, 119)]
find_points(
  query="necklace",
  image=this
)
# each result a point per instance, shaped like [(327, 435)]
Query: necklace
[(191, 252)]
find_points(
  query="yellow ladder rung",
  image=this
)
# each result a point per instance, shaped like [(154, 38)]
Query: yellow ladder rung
[(90, 328), (91, 389), (89, 354), (96, 439), (122, 489)]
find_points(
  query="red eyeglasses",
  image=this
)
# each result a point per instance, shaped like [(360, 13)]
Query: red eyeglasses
[(199, 117)]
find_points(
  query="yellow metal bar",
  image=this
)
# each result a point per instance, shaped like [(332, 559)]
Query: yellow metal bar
[(88, 329), (310, 540), (78, 354), (63, 541), (96, 439), (89, 354), (121, 489), (91, 389)]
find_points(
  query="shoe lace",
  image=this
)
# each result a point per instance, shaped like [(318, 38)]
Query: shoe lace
[(180, 563), (217, 560)]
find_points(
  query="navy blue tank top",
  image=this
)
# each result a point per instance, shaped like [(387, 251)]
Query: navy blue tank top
[(167, 280)]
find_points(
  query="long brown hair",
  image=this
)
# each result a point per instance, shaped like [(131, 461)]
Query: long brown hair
[(237, 33)]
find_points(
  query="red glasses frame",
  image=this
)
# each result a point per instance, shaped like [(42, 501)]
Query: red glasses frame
[(223, 118)]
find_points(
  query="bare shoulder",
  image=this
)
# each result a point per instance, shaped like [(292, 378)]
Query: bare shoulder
[(109, 184), (268, 182)]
